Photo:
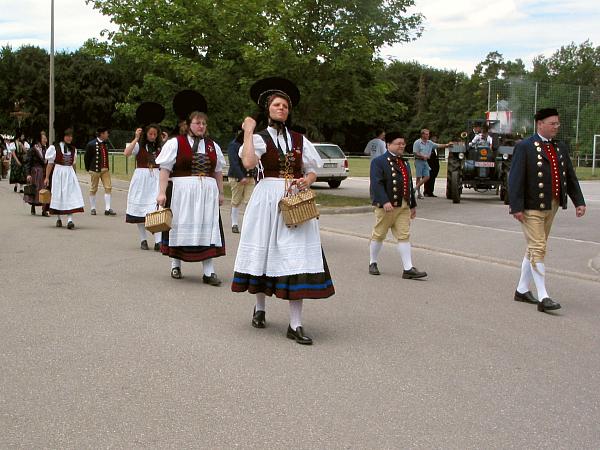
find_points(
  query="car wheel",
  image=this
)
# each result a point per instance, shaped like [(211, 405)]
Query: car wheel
[(334, 183)]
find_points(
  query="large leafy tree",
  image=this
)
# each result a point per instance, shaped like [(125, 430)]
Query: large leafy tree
[(328, 48)]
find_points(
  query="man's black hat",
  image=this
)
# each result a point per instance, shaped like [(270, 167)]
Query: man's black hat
[(263, 89), (392, 136), (149, 112), (101, 129), (545, 113), (188, 101)]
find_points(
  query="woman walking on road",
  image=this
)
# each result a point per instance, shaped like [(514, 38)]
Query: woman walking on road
[(35, 169), (272, 258)]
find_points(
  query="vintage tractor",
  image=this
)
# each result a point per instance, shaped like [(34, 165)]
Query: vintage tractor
[(480, 163)]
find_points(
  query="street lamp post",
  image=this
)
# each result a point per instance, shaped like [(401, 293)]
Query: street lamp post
[(51, 100)]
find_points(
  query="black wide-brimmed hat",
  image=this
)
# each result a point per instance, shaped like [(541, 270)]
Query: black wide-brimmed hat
[(392, 136), (149, 112), (263, 89), (545, 113), (188, 101)]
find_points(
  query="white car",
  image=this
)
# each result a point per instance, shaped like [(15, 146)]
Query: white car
[(335, 164)]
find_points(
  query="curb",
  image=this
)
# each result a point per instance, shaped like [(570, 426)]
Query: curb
[(477, 257)]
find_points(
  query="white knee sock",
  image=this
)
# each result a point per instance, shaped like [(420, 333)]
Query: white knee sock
[(405, 255), (539, 278), (93, 201), (141, 231), (175, 263), (208, 267), (58, 217), (69, 218), (157, 237), (295, 314), (107, 201), (261, 302), (374, 249), (526, 276), (234, 215)]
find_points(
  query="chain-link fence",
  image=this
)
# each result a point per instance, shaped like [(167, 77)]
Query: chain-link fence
[(578, 106)]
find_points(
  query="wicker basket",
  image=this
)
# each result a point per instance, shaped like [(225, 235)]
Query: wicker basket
[(158, 221), (298, 208), (45, 196)]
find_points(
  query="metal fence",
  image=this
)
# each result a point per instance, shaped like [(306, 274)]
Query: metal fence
[(578, 106)]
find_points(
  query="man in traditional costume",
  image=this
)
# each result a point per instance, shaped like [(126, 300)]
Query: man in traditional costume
[(97, 164)]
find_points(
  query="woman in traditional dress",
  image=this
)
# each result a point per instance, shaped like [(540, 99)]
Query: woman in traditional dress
[(272, 258), (18, 176), (35, 168), (143, 189), (191, 184), (66, 192)]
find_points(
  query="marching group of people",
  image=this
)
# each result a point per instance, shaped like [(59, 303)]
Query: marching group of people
[(184, 173)]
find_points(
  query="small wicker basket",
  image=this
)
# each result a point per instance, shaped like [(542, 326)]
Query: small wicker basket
[(298, 208), (158, 221), (45, 196)]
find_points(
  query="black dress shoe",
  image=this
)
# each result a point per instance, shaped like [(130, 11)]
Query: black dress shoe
[(58, 223), (258, 319), (45, 214), (298, 336), (15, 188), (144, 245), (110, 212), (413, 273), (157, 247), (235, 229), (70, 225), (547, 304), (526, 297), (212, 280), (176, 273), (93, 212), (373, 270), (32, 210)]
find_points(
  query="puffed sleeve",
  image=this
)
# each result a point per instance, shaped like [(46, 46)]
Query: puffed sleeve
[(311, 160), (168, 154), (220, 159), (50, 154), (136, 149), (260, 148)]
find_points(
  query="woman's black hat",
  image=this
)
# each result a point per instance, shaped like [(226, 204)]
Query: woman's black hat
[(188, 101), (263, 89), (149, 112)]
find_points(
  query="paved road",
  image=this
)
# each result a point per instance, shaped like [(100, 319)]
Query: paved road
[(101, 348)]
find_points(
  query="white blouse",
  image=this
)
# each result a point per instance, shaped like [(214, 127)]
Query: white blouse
[(51, 153), (311, 160), (168, 154)]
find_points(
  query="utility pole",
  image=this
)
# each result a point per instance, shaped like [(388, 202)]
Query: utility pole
[(51, 100)]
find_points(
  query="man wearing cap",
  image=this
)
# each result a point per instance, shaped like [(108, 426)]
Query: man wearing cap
[(541, 177), (96, 163), (393, 196)]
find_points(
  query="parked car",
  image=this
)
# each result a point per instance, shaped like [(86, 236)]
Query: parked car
[(335, 164)]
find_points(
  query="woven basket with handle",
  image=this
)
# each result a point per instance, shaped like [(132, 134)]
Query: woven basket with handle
[(159, 221)]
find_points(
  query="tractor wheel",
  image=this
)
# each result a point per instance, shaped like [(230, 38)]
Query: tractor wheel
[(455, 187)]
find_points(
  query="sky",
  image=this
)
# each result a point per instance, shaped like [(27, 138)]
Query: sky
[(458, 34)]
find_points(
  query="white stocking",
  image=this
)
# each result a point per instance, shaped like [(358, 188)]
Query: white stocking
[(374, 249), (175, 263), (208, 267), (157, 237), (69, 218), (92, 201), (261, 302), (107, 201), (295, 314), (142, 231), (526, 276), (405, 254), (234, 215), (539, 278)]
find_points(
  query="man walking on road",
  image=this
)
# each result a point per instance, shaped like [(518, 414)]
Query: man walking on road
[(541, 176), (96, 163)]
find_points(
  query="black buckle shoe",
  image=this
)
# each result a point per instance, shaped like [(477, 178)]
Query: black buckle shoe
[(110, 212), (157, 247), (413, 274), (176, 273), (212, 280), (298, 336), (58, 223), (258, 319), (526, 297), (32, 210), (144, 245), (93, 212), (70, 225), (373, 269), (235, 229), (547, 304)]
